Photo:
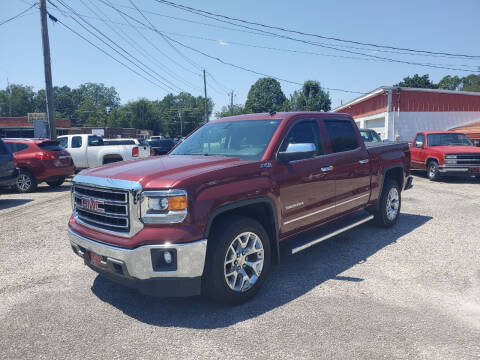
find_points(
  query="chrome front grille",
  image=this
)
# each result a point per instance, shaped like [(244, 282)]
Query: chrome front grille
[(467, 159), (103, 208)]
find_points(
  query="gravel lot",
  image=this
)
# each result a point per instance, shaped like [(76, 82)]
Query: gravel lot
[(412, 291)]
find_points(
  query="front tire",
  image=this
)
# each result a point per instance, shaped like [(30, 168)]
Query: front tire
[(26, 182), (238, 260), (432, 171), (57, 182), (390, 203)]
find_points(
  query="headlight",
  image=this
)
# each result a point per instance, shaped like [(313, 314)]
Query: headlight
[(164, 206)]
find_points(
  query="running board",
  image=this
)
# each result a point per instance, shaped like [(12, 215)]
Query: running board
[(329, 235)]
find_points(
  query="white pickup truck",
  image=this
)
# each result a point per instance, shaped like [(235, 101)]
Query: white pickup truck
[(89, 151)]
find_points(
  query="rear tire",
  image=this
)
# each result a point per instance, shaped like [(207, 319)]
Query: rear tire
[(432, 171), (57, 182), (26, 182), (386, 215), (238, 260)]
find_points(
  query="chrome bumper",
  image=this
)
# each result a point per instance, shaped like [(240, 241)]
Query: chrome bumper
[(449, 168), (138, 261)]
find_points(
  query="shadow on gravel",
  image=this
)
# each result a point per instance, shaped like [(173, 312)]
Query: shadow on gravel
[(294, 277), (10, 203), (449, 179)]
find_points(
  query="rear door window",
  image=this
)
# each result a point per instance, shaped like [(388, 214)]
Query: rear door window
[(342, 135), (16, 147), (76, 142), (95, 141), (50, 146)]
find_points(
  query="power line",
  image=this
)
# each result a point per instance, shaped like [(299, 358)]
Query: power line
[(53, 18), (186, 8), (164, 82), (316, 43), (131, 42), (18, 15), (231, 64)]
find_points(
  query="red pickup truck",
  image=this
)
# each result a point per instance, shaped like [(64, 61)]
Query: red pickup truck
[(445, 153), (210, 216)]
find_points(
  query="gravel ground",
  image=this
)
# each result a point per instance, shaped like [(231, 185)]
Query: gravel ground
[(412, 291)]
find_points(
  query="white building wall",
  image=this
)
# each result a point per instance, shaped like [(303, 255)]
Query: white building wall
[(375, 122), (406, 124)]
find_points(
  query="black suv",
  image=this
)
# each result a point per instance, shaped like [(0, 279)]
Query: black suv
[(8, 170)]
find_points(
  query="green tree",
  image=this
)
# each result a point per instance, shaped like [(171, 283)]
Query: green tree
[(450, 82), (264, 96), (92, 102), (227, 111), (417, 81), (311, 97), (471, 83), (17, 98)]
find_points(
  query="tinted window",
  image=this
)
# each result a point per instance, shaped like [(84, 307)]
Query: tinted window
[(63, 142), (76, 142), (143, 142), (420, 137), (50, 146), (95, 141), (304, 132), (342, 135)]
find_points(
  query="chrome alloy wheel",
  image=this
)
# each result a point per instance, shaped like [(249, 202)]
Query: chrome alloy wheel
[(431, 170), (393, 203), (24, 182), (244, 261)]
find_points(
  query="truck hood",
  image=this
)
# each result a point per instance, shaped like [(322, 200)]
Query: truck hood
[(456, 149), (163, 171)]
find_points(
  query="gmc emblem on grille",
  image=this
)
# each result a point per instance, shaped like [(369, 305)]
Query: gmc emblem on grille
[(92, 204)]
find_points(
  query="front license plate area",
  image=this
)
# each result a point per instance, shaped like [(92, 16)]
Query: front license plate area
[(97, 260)]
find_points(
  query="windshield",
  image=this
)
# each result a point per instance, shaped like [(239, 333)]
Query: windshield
[(246, 140), (448, 139)]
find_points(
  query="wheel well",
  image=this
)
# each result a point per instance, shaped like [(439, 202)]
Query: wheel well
[(394, 174), (429, 160), (111, 157), (261, 212)]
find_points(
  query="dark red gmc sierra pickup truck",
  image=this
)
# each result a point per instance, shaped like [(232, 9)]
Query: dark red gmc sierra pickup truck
[(209, 217)]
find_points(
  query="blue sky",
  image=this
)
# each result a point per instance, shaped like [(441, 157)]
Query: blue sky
[(447, 26)]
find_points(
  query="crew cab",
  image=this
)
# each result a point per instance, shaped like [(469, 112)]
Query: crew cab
[(89, 151), (210, 216), (445, 153), (39, 160)]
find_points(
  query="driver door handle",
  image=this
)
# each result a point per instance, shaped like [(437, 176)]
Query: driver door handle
[(364, 161), (327, 168)]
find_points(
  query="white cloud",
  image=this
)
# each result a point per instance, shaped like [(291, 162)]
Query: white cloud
[(223, 43)]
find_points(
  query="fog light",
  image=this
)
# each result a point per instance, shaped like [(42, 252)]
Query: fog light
[(167, 256)]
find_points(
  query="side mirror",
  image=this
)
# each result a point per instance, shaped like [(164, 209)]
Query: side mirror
[(419, 144), (296, 152)]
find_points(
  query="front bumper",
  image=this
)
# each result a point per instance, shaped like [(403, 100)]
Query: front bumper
[(136, 268), (459, 170)]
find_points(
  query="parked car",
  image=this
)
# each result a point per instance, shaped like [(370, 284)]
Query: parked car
[(161, 147), (370, 135), (89, 151), (39, 160), (210, 215), (8, 171), (445, 153), (143, 145)]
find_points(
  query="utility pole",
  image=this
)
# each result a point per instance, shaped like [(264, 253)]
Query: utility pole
[(48, 71), (231, 103), (9, 98), (205, 89)]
